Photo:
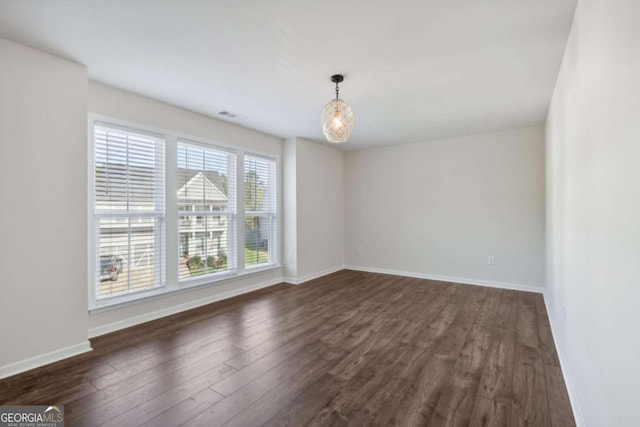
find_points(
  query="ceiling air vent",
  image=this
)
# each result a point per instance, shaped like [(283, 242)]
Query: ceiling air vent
[(227, 114)]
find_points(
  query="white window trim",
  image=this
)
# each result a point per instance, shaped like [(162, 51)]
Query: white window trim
[(274, 255), (230, 213), (171, 250)]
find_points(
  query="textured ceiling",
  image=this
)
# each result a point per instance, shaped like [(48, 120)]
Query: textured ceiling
[(414, 70)]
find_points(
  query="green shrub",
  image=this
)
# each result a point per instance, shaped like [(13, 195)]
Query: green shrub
[(221, 261), (211, 261), (195, 262)]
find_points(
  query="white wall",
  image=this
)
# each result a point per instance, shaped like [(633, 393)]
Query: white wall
[(314, 190), (441, 208), (593, 211), (122, 105), (43, 181), (320, 189), (290, 214)]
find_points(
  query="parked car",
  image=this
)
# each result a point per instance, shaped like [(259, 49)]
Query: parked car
[(110, 267)]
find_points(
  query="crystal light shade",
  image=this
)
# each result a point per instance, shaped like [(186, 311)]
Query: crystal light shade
[(337, 121)]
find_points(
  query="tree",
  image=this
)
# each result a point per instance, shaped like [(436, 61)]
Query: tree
[(254, 192)]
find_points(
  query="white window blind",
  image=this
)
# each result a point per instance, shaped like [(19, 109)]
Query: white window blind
[(136, 253), (129, 211), (206, 193), (260, 208)]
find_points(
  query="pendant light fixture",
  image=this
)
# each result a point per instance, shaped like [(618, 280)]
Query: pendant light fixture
[(337, 117)]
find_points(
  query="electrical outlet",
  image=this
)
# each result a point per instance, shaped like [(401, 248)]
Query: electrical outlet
[(491, 260)]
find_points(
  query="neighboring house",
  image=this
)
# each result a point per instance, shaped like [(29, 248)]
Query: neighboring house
[(198, 235)]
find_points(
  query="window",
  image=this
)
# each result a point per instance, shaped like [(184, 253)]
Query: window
[(170, 212), (129, 211), (206, 183), (260, 210)]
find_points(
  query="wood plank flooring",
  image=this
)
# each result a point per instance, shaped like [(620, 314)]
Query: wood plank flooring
[(350, 348)]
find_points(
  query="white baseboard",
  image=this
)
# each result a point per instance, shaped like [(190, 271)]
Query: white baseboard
[(306, 278), (153, 315), (135, 320), (578, 415), (44, 359), (465, 281)]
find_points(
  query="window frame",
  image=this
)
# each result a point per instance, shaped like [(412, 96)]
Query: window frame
[(231, 214), (172, 284), (270, 214)]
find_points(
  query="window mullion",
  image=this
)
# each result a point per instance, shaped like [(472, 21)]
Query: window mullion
[(240, 220), (171, 208)]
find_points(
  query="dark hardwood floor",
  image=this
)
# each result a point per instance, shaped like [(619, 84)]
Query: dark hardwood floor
[(350, 348)]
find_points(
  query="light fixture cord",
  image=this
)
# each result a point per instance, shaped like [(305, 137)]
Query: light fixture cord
[(337, 90)]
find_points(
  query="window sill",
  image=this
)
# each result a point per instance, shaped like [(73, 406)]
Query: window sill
[(116, 302)]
